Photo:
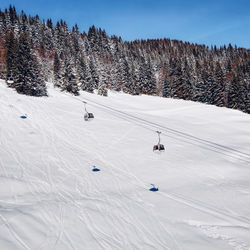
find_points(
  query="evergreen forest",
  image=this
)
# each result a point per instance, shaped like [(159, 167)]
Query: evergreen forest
[(34, 51)]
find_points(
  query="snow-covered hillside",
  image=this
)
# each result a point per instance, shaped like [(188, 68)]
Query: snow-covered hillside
[(51, 199)]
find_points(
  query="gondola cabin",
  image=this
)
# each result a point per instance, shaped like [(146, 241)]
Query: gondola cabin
[(10, 80), (159, 147), (88, 116)]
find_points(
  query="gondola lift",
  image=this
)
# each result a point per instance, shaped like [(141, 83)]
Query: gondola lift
[(159, 147), (10, 79), (88, 116)]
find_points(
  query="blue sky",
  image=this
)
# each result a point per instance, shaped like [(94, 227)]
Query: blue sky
[(207, 22)]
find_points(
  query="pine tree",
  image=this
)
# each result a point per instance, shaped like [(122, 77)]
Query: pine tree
[(57, 70), (176, 78), (29, 80), (219, 88), (167, 88), (85, 77), (123, 81), (69, 77), (234, 96), (202, 91), (11, 56), (146, 80), (94, 76)]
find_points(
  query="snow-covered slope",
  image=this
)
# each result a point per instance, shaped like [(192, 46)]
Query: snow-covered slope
[(51, 199)]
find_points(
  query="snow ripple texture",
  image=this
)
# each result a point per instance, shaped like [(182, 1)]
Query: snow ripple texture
[(51, 199)]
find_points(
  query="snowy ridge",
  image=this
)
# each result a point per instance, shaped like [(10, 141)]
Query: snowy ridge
[(51, 199)]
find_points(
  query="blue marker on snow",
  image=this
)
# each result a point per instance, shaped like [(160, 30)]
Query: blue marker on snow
[(153, 189), (95, 169)]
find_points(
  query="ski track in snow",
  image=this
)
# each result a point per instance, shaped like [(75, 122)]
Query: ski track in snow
[(52, 200)]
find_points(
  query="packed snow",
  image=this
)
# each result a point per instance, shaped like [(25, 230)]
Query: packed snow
[(50, 197)]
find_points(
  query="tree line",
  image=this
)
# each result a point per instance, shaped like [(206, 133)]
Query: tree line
[(38, 51)]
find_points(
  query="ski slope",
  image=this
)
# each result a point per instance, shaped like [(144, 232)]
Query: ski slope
[(51, 199)]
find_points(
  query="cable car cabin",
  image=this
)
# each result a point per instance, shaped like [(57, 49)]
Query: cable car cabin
[(10, 80), (159, 147), (88, 116)]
